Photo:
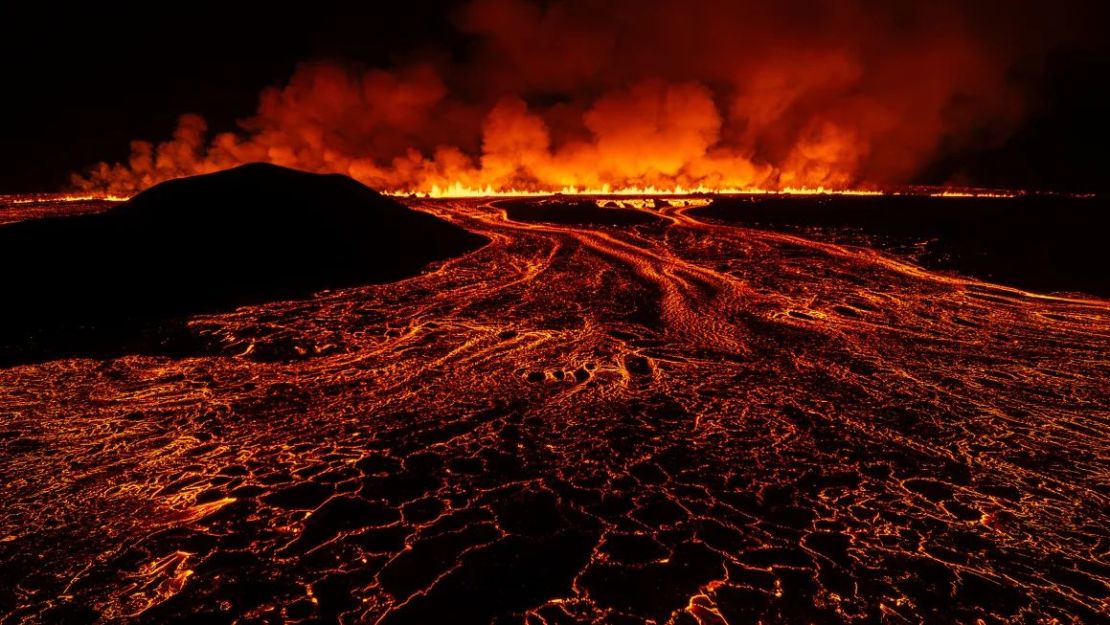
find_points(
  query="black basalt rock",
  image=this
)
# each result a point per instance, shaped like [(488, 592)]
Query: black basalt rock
[(97, 284)]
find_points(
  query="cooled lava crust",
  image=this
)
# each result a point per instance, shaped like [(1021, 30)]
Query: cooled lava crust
[(659, 420)]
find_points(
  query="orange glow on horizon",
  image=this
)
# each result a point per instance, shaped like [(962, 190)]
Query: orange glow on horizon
[(67, 197), (458, 190)]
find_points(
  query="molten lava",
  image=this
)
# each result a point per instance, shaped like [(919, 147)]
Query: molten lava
[(669, 420), (631, 407)]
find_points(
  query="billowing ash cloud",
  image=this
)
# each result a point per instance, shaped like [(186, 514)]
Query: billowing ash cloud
[(699, 93)]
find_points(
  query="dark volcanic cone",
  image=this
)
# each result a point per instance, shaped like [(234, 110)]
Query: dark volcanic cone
[(82, 285)]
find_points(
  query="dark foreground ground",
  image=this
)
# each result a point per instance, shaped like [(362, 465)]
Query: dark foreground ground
[(666, 418)]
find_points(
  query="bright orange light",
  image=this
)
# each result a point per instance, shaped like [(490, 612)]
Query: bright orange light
[(458, 190), (51, 197)]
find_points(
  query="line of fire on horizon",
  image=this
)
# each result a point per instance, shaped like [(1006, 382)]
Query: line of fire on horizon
[(459, 191)]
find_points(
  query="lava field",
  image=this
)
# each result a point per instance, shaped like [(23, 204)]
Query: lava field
[(630, 413)]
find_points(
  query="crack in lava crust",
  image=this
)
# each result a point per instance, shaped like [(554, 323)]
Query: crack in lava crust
[(672, 422)]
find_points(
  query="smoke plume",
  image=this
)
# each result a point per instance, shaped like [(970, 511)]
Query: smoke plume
[(644, 93)]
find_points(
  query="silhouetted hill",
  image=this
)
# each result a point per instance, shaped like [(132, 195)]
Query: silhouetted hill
[(90, 284)]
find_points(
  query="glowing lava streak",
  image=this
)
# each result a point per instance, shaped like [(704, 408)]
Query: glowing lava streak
[(46, 198), (671, 420), (460, 191)]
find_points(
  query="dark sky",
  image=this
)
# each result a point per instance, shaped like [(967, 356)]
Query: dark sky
[(81, 83)]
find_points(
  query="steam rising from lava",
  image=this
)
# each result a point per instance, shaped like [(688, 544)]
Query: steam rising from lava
[(597, 95)]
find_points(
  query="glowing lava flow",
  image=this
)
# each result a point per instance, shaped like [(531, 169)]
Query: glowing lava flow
[(665, 421), (460, 191), (44, 198)]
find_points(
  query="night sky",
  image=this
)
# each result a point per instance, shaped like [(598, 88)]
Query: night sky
[(81, 83)]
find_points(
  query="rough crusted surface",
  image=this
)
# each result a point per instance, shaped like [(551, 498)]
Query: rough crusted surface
[(672, 422)]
